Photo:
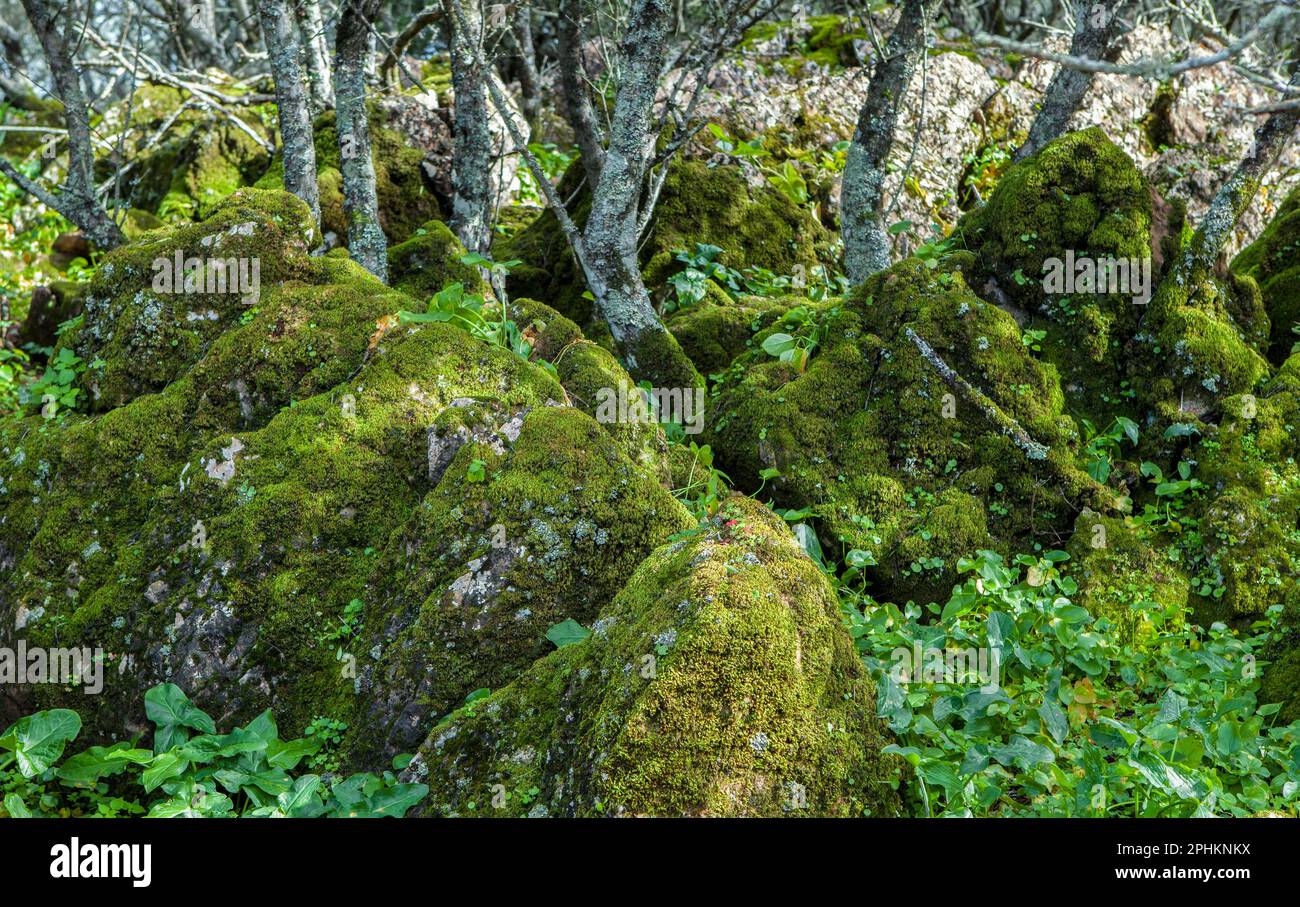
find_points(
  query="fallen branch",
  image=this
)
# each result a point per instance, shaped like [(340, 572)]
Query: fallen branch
[(981, 401)]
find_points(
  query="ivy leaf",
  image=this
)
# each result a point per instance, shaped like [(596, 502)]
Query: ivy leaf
[(16, 808), (567, 632), (38, 740), (172, 712)]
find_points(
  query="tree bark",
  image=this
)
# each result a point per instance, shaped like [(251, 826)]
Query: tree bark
[(292, 102), (471, 215), (1096, 27), (530, 80), (610, 236), (353, 44), (311, 30), (1197, 260), (77, 202), (866, 244), (573, 89)]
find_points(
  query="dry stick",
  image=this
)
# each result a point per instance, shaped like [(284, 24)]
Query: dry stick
[(977, 398), (1148, 68)]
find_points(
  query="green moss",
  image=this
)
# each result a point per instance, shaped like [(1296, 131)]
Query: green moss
[(201, 157), (1081, 196), (483, 569), (430, 261), (870, 438), (404, 201), (759, 227), (1117, 569), (140, 334), (589, 373), (713, 334), (1273, 260), (720, 682)]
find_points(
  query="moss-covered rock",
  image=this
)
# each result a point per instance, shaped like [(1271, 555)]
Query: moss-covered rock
[(1078, 198), (1273, 260), (713, 333), (147, 318), (1121, 576), (547, 527), (720, 682), (188, 158), (405, 202), (429, 261), (891, 460)]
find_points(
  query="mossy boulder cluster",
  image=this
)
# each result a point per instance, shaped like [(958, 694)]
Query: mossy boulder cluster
[(285, 497)]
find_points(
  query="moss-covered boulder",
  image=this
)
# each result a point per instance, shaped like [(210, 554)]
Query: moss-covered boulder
[(186, 158), (213, 518), (1078, 199), (405, 201), (1123, 576), (717, 330), (891, 459), (429, 261), (698, 204), (1273, 260), (719, 682), (537, 518), (155, 307)]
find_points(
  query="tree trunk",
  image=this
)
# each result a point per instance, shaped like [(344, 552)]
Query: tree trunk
[(291, 102), (471, 216), (610, 237), (353, 42), (311, 29), (77, 202), (530, 81), (866, 244), (1196, 262), (574, 91), (1097, 24)]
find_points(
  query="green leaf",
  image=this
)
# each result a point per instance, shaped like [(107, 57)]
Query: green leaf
[(301, 801), (164, 767), (173, 713), (16, 808), (777, 344), (567, 632), (38, 740), (85, 769), (287, 754)]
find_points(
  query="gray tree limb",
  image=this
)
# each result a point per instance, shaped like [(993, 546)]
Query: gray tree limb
[(353, 43), (472, 202), (866, 244), (311, 31), (77, 200), (292, 102), (1096, 26)]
